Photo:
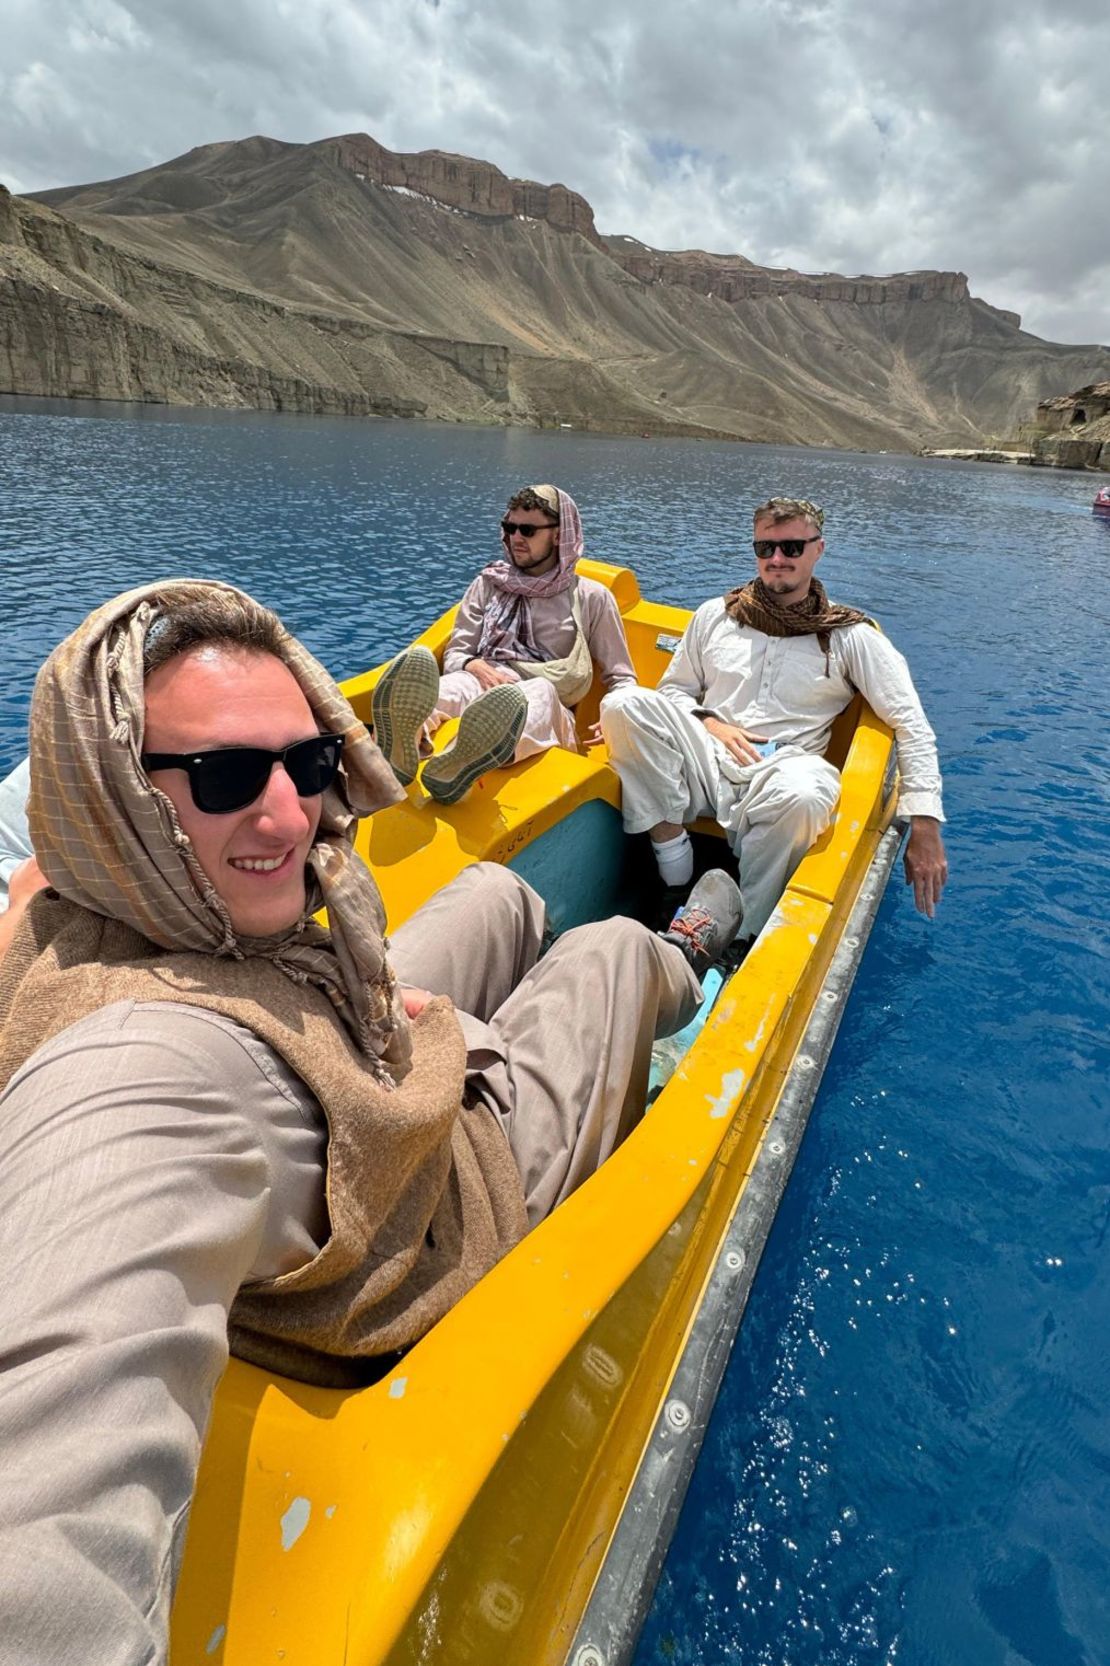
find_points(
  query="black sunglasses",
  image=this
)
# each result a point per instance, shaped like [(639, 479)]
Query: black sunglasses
[(791, 547), (234, 776), (527, 529)]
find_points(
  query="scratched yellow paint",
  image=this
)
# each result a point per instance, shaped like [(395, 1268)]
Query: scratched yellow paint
[(458, 1510)]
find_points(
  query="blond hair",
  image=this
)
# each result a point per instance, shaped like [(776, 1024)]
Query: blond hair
[(779, 509)]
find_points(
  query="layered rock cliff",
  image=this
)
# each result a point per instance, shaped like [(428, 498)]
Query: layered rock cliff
[(342, 276), (732, 278), (471, 187)]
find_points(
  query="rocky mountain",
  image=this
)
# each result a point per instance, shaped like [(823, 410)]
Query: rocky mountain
[(340, 276)]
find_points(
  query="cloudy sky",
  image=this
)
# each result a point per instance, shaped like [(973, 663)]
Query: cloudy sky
[(829, 135)]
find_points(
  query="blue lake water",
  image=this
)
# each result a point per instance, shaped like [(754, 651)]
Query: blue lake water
[(909, 1459)]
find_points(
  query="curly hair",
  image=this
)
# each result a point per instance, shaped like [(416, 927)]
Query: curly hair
[(529, 498)]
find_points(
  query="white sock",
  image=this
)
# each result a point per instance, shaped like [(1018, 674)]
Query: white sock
[(675, 858)]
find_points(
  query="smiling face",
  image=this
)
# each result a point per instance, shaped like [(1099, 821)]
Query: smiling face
[(216, 696), (788, 577)]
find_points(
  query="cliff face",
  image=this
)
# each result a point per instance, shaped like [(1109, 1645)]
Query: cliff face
[(83, 318), (1072, 431), (471, 187), (732, 278), (343, 276)]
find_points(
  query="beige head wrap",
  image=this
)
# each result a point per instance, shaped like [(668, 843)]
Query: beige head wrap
[(107, 839)]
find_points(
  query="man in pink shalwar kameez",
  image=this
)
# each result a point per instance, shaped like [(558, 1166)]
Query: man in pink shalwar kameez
[(527, 637)]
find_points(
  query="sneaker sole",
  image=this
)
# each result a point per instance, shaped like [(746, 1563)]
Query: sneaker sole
[(403, 699), (487, 737)]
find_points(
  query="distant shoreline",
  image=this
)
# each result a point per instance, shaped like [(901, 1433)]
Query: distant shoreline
[(162, 409)]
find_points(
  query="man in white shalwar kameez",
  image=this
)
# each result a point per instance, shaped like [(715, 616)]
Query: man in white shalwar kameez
[(739, 723)]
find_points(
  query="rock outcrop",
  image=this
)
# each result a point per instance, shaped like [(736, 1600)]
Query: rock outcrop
[(1072, 430), (471, 187), (83, 318), (341, 276), (732, 278)]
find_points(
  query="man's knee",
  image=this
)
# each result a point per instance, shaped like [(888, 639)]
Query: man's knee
[(493, 883), (627, 709), (807, 784), (619, 943), (542, 697)]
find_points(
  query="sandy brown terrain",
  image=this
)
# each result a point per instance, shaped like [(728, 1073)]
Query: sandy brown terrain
[(339, 276)]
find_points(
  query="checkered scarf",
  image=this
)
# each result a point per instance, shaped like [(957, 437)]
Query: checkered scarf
[(507, 632)]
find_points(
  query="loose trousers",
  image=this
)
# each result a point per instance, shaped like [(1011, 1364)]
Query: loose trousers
[(559, 1047), (672, 769), (154, 1157), (548, 723)]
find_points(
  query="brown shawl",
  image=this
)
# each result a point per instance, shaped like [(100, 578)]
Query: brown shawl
[(753, 604), (107, 839), (423, 1195)]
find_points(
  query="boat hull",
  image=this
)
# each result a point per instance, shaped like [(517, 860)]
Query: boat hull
[(462, 1509)]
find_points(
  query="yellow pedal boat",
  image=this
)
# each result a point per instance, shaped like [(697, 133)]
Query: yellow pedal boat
[(505, 1494)]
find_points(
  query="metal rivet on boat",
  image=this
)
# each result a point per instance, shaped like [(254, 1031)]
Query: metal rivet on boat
[(830, 995), (678, 1414), (734, 1260), (804, 1062), (589, 1656), (776, 1148), (851, 942)]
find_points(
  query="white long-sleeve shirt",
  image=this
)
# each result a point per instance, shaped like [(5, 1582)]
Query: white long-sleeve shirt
[(776, 686)]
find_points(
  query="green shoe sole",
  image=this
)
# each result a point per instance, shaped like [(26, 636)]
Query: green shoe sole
[(403, 699), (488, 732)]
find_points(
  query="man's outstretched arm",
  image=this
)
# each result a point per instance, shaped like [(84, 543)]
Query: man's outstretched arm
[(880, 672), (130, 1212)]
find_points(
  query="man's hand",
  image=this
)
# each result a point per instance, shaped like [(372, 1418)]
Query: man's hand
[(415, 1000), (925, 863), (489, 675), (25, 881), (735, 740), (431, 724), (594, 736)]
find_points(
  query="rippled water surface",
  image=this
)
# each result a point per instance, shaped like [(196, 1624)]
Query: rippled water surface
[(909, 1459)]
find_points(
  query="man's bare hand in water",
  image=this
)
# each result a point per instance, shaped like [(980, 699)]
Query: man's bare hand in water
[(925, 864)]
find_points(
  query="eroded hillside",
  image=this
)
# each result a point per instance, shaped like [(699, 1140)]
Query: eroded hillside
[(341, 276)]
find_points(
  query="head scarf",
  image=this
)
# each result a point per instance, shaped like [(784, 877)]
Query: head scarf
[(753, 604), (507, 632), (107, 839)]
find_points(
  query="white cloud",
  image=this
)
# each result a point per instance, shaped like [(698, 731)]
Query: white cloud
[(824, 134)]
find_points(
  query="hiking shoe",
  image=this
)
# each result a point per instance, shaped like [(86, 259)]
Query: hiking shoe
[(710, 919), (489, 729), (666, 904), (402, 701)]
